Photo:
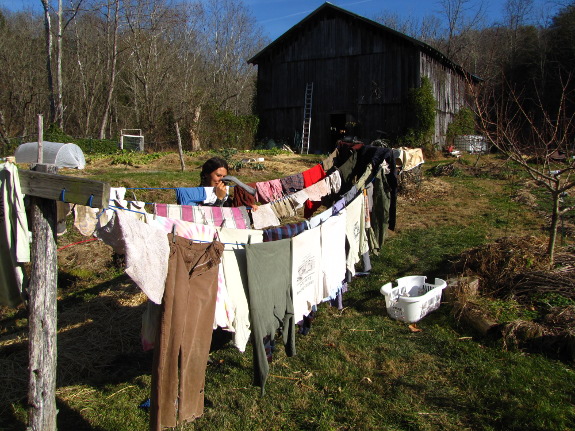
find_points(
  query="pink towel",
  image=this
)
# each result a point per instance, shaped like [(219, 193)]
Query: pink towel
[(268, 191)]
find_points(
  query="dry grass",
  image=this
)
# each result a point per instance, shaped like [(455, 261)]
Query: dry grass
[(498, 262)]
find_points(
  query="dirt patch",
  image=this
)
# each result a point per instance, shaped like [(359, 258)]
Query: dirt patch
[(438, 201)]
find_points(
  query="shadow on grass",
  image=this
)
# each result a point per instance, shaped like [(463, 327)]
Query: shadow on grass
[(98, 344), (9, 421), (69, 419)]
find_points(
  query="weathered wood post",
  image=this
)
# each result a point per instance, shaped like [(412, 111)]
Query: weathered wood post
[(40, 158), (180, 151), (42, 319), (45, 187)]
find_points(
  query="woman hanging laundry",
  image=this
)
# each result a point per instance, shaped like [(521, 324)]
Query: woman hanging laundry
[(213, 170)]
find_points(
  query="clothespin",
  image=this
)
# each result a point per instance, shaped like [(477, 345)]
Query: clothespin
[(217, 236), (174, 233), (63, 195)]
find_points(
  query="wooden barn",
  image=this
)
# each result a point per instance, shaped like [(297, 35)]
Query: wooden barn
[(346, 72)]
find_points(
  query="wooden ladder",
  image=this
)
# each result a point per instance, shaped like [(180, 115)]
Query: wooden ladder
[(306, 118)]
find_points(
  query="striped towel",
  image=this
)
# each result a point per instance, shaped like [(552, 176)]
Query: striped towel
[(232, 217)]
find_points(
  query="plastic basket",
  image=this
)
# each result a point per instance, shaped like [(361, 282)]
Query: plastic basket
[(411, 298)]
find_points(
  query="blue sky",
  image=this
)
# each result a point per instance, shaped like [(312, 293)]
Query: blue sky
[(278, 16)]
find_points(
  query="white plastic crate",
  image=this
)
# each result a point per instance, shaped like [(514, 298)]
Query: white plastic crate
[(411, 298)]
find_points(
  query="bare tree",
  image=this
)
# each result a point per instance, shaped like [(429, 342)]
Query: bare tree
[(426, 29), (534, 136), (517, 13), (231, 37), (112, 14), (151, 75), (48, 53), (23, 92), (56, 100), (462, 17)]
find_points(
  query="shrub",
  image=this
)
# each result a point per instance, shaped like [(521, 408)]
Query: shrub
[(227, 129), (463, 124), (421, 106), (88, 145)]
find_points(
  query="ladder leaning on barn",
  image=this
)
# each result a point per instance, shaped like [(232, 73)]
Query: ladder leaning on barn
[(306, 118)]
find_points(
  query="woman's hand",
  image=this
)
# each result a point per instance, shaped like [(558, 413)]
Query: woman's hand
[(220, 190)]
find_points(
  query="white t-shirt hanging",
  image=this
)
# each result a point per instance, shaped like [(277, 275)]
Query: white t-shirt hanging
[(333, 253), (307, 285), (236, 278), (354, 231)]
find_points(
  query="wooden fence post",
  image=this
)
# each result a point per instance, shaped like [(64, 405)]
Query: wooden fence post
[(180, 152), (40, 158), (42, 318)]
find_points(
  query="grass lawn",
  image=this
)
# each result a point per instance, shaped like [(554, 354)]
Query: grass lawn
[(357, 369)]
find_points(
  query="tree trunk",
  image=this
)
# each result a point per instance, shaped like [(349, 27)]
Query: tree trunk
[(42, 314), (112, 69), (59, 104), (4, 141), (555, 196), (48, 35), (194, 129)]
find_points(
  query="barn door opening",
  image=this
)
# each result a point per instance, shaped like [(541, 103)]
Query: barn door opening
[(337, 127)]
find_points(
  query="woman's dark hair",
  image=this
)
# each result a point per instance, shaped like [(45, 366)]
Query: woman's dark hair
[(210, 166)]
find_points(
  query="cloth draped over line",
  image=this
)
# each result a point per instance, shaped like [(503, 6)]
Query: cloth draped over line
[(232, 217), (310, 177), (270, 299), (306, 279), (146, 251), (409, 158), (185, 333), (14, 237), (235, 270), (190, 195), (268, 191), (376, 222)]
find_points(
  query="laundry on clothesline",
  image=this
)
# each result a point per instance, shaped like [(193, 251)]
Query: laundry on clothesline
[(297, 265)]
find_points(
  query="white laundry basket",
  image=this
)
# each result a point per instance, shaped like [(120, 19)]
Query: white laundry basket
[(411, 298)]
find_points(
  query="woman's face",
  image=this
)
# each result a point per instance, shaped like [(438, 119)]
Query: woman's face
[(216, 176)]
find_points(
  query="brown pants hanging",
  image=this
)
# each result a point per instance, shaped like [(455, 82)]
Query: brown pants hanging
[(185, 332)]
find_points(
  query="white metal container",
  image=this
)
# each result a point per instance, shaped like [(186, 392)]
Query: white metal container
[(471, 144), (411, 298)]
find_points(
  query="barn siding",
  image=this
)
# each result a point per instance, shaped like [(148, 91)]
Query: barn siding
[(358, 70), (449, 90)]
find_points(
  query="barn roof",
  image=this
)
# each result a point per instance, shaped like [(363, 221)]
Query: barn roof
[(328, 7)]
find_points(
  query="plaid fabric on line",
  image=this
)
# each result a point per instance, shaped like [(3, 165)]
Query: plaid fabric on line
[(283, 232)]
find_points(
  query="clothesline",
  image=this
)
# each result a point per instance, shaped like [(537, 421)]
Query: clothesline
[(164, 188), (114, 208)]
